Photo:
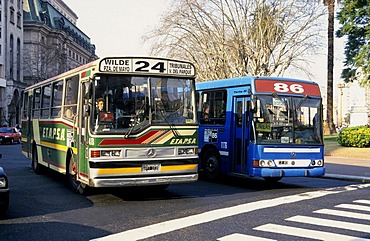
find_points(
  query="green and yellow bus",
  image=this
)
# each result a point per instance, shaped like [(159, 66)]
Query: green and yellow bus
[(144, 134)]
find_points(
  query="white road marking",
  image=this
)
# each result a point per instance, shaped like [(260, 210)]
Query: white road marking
[(330, 223), (343, 214), (354, 207), (307, 233), (176, 224), (362, 201), (243, 237)]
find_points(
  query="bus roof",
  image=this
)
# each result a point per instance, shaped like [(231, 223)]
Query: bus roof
[(242, 81), (130, 65), (266, 85)]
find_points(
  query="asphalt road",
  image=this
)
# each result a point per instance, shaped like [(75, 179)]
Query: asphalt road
[(43, 208)]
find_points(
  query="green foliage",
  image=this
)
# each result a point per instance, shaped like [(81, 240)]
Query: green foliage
[(358, 136), (354, 17)]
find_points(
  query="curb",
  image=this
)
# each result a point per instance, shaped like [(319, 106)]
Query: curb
[(362, 179)]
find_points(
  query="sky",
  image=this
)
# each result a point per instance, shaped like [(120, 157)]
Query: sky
[(116, 27)]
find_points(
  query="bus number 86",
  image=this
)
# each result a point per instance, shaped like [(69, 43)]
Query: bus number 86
[(282, 87)]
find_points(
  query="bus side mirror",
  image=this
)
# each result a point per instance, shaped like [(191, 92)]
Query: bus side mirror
[(86, 111), (256, 107)]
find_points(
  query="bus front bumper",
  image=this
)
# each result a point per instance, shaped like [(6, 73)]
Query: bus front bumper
[(298, 172), (142, 181)]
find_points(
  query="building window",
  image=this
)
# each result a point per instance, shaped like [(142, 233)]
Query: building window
[(11, 56), (18, 59), (11, 15), (19, 20)]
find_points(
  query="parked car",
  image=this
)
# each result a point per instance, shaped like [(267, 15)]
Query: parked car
[(9, 135), (4, 191)]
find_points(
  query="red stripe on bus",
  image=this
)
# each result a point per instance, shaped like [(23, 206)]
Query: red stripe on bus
[(140, 140), (47, 122)]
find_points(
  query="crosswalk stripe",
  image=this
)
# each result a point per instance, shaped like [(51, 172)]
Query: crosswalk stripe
[(243, 237), (343, 214), (331, 223), (307, 233), (362, 201), (354, 207)]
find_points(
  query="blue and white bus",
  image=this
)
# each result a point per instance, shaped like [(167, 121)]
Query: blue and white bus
[(265, 127)]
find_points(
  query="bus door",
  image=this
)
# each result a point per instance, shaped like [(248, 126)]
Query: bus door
[(241, 134), (28, 129), (82, 136)]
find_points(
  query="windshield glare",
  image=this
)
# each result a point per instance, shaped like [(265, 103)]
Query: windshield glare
[(131, 103), (287, 120)]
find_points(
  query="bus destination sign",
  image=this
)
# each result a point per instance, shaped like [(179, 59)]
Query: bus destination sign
[(287, 87), (146, 66)]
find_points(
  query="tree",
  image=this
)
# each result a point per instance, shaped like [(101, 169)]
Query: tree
[(329, 127), (42, 61), (354, 19), (229, 38)]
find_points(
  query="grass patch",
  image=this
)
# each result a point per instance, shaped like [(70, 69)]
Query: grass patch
[(333, 148)]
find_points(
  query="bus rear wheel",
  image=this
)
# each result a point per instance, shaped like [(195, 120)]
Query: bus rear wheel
[(73, 183), (37, 168), (211, 165)]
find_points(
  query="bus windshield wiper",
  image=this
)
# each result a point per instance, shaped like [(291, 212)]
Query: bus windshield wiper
[(174, 131), (134, 122)]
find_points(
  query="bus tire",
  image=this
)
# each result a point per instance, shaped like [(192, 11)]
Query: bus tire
[(272, 179), (72, 181), (37, 168), (211, 165)]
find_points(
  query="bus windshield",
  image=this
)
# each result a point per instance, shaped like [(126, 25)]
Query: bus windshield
[(287, 120), (132, 103)]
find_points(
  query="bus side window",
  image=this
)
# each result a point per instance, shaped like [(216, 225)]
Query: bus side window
[(36, 103), (45, 102), (56, 103), (213, 109), (71, 96)]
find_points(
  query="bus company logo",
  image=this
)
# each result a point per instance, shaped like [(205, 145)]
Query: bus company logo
[(54, 133), (150, 152), (293, 155), (183, 141)]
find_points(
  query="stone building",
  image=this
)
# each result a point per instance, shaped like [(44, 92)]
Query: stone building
[(38, 39), (11, 72)]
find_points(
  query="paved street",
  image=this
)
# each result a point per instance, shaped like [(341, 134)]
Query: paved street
[(43, 208)]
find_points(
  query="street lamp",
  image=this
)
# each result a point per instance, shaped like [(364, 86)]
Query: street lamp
[(340, 87)]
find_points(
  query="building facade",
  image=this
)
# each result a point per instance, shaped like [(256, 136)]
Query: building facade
[(53, 43), (11, 49), (38, 39)]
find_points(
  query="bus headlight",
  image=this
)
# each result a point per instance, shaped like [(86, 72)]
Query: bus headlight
[(187, 151), (264, 163), (3, 182), (105, 153), (317, 163)]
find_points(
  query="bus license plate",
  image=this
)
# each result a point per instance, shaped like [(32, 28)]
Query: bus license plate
[(151, 167)]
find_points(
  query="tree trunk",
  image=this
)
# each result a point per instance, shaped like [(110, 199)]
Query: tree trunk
[(329, 127)]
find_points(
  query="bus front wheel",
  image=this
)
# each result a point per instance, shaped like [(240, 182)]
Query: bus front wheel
[(211, 165), (73, 183)]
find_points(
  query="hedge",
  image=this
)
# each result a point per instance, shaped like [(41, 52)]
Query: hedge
[(357, 136)]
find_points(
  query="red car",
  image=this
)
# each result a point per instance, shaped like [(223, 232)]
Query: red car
[(9, 135)]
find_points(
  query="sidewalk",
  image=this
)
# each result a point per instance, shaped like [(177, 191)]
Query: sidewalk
[(346, 163), (345, 168)]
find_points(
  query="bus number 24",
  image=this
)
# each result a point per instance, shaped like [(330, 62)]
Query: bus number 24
[(283, 87), (144, 66)]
